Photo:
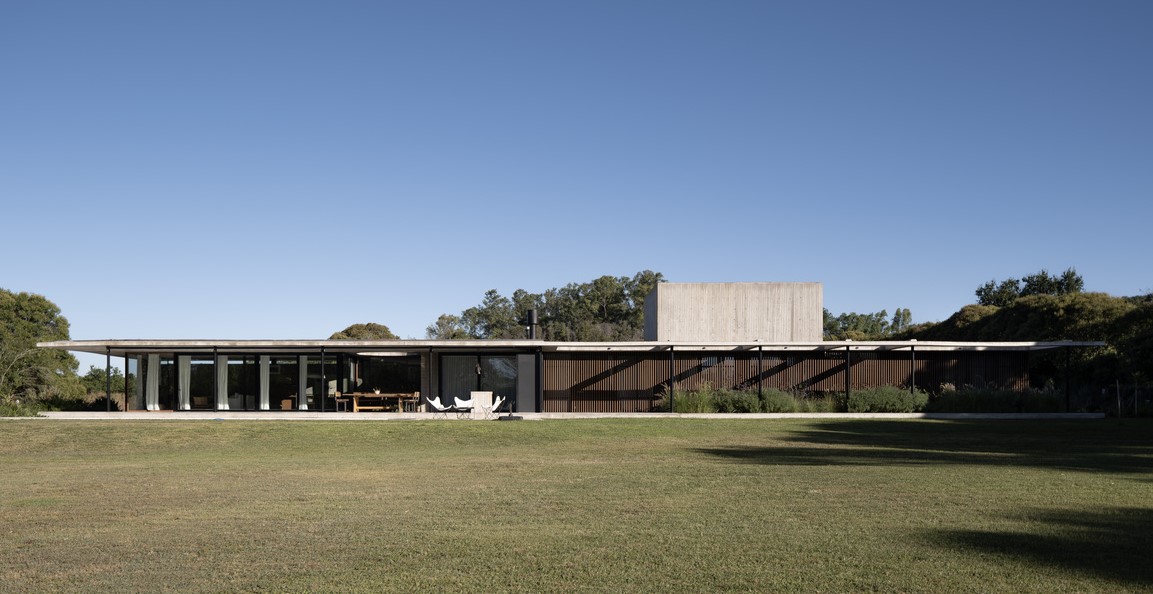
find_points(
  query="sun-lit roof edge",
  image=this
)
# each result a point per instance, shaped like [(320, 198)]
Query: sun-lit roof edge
[(120, 347)]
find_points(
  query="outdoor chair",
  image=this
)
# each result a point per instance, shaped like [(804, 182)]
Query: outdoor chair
[(463, 408), (490, 411), (438, 409)]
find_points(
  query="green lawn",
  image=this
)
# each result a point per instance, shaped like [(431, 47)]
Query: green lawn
[(610, 505)]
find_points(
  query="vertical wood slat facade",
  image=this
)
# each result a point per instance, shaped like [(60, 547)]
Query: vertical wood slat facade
[(631, 382)]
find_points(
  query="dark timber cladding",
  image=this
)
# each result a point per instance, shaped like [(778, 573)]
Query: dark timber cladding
[(632, 382)]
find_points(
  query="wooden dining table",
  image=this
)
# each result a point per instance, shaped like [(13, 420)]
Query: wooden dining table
[(394, 401)]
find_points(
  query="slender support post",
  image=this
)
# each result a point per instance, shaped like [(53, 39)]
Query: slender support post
[(913, 369), (672, 377), (324, 380), (760, 372), (1068, 391), (539, 382), (216, 379), (108, 379), (848, 373)]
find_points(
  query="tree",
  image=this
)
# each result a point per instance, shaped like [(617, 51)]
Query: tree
[(1041, 283), (871, 326), (27, 371), (494, 318), (96, 380), (607, 308), (446, 327), (902, 321), (999, 294), (369, 331)]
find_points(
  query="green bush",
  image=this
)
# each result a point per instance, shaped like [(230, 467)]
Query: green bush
[(695, 401), (17, 409), (777, 401), (736, 401), (887, 399)]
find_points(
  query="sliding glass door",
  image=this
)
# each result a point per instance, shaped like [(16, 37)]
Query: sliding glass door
[(462, 374)]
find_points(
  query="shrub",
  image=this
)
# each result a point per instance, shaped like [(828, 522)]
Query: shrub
[(11, 407), (887, 399), (777, 401), (736, 401), (695, 401), (820, 404), (87, 404)]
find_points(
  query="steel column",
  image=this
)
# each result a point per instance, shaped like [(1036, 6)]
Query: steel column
[(1067, 380), (108, 380), (760, 372), (913, 369), (215, 380), (848, 373)]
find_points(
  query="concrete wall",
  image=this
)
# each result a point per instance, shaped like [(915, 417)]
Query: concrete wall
[(735, 312)]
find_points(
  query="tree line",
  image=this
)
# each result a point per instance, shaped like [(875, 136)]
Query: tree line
[(609, 308)]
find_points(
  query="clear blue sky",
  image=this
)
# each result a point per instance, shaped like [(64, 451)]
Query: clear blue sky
[(277, 169)]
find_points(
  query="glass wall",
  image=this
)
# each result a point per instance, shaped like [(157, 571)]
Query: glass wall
[(322, 382), (283, 382), (133, 395), (243, 387), (390, 374), (200, 382), (461, 374), (166, 395)]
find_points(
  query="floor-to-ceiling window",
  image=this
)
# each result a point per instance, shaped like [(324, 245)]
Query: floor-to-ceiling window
[(243, 387), (167, 393), (389, 372), (322, 381), (133, 394), (461, 374), (284, 382), (200, 382)]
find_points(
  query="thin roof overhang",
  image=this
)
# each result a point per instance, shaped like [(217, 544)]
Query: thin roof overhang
[(121, 348)]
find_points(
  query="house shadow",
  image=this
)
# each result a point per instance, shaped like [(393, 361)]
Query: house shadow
[(1089, 446), (1111, 544)]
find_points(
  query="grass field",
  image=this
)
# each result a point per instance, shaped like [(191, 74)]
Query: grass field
[(612, 505)]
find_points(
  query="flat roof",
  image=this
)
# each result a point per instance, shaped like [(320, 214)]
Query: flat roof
[(121, 348)]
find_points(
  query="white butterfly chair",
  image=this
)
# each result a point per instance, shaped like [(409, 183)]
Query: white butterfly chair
[(490, 411), (438, 409), (463, 408)]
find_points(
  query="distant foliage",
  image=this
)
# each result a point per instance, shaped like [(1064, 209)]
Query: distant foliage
[(369, 331), (1124, 324), (873, 326), (96, 380), (1004, 293), (605, 309)]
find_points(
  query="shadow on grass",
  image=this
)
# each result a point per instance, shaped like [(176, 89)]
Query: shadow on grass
[(1069, 445), (1111, 544)]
